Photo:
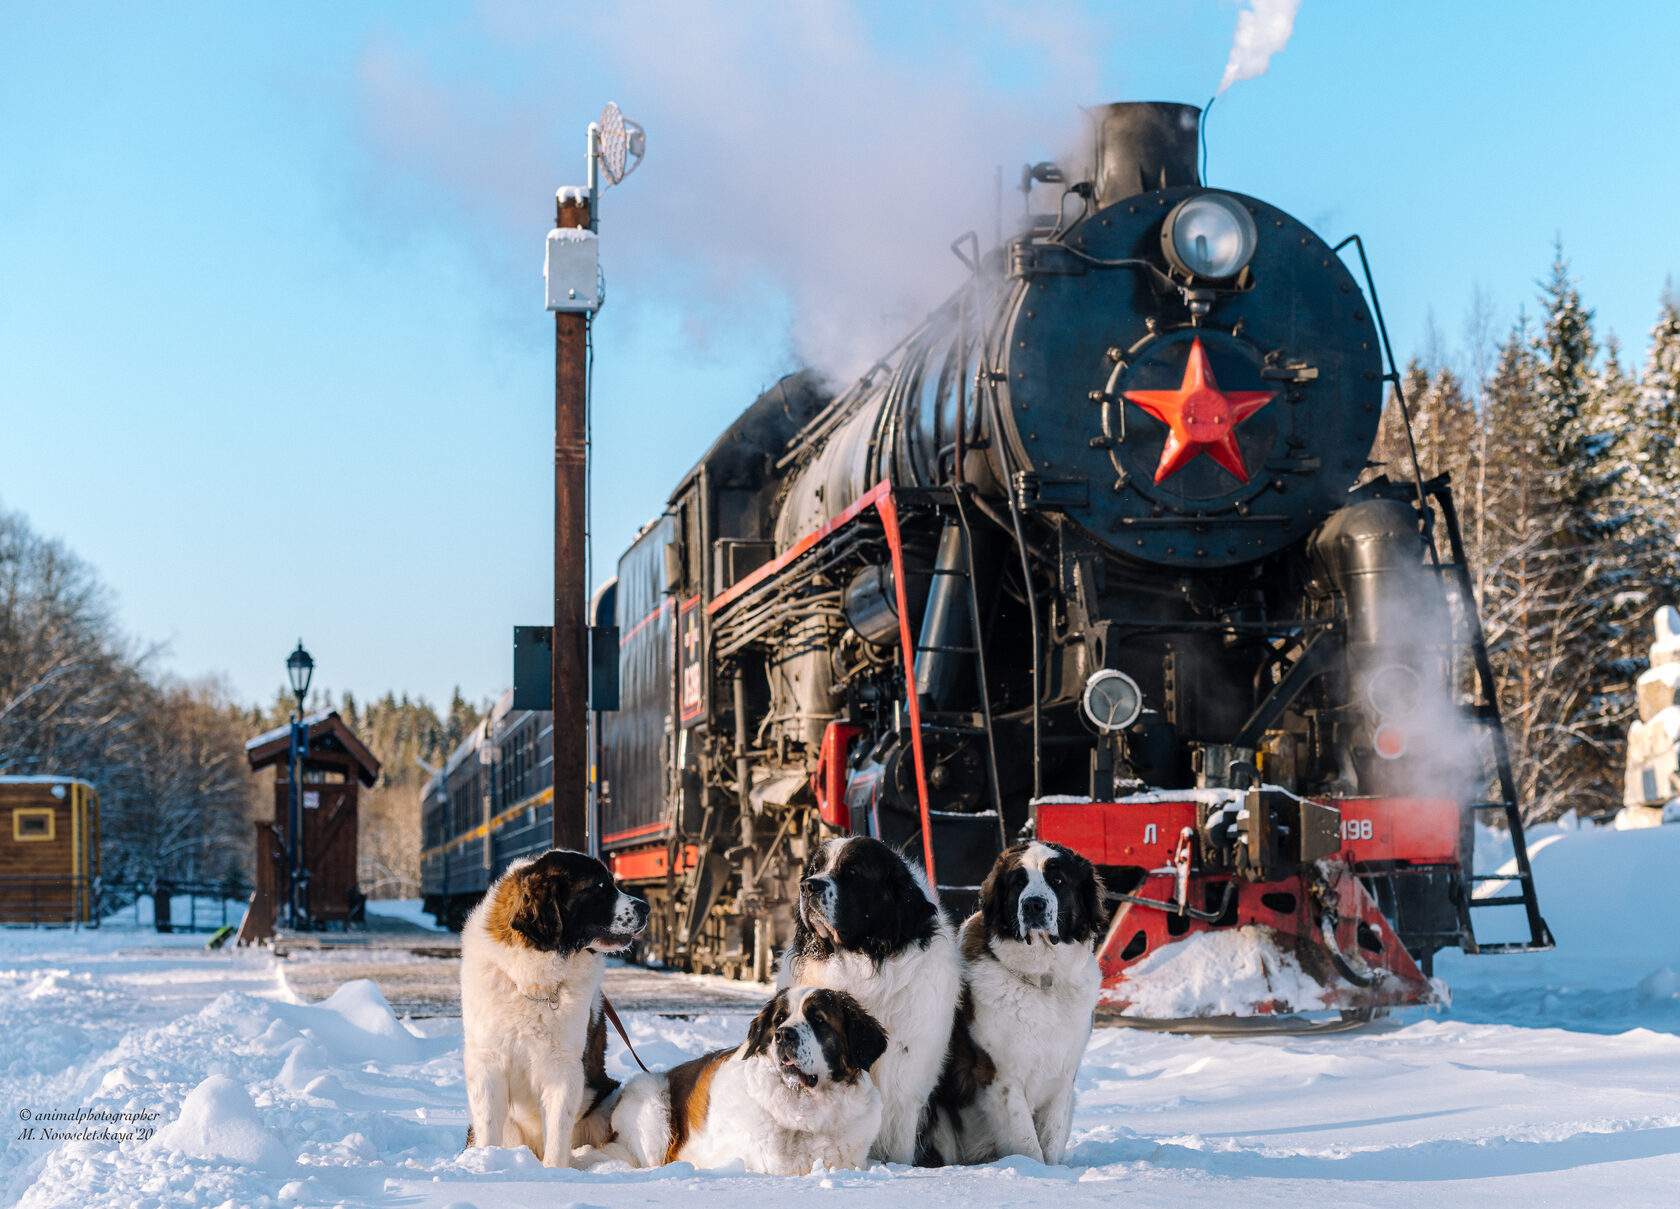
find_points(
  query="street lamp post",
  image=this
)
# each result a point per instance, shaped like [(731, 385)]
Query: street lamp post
[(300, 668)]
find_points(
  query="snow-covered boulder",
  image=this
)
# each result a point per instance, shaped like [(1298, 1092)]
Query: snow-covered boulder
[(219, 1121)]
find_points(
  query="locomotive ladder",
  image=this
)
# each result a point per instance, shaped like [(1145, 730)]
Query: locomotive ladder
[(956, 821), (1485, 713)]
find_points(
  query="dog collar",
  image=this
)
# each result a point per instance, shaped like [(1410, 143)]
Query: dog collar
[(1043, 982)]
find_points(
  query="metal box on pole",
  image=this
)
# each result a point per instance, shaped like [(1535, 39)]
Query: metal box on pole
[(572, 270)]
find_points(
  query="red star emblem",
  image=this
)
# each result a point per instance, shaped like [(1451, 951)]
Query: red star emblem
[(1201, 417)]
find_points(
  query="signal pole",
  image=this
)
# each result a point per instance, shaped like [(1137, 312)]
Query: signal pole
[(572, 273), (569, 644)]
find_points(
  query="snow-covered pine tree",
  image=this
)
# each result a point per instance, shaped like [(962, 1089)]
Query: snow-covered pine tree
[(1576, 571), (1659, 411), (1643, 422), (1518, 598), (1636, 549)]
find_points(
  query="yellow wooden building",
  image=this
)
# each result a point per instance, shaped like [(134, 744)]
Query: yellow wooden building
[(49, 850)]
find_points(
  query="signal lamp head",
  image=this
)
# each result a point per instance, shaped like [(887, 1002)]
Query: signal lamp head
[(1112, 700), (1209, 236)]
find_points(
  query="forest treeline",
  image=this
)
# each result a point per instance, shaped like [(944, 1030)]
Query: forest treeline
[(78, 698), (1563, 468)]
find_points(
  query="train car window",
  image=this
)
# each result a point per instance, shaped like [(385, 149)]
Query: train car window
[(33, 824), (737, 514)]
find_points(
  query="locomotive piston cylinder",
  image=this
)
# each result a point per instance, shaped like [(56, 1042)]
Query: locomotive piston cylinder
[(871, 606), (1371, 554)]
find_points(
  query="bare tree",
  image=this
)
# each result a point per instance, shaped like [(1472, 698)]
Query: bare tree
[(76, 700)]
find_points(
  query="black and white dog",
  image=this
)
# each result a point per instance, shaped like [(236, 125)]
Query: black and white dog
[(1030, 989), (532, 956), (796, 1095), (869, 924)]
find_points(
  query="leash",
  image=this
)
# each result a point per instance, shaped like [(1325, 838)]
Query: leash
[(612, 1014)]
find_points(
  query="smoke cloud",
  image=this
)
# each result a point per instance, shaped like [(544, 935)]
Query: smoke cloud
[(1263, 28), (804, 167)]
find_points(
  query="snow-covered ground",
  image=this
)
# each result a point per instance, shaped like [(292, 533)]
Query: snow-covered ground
[(1553, 1079)]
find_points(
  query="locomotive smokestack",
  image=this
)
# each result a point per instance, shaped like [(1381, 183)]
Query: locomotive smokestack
[(1143, 145)]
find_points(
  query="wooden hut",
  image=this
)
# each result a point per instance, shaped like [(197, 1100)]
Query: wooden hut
[(335, 764), (49, 851)]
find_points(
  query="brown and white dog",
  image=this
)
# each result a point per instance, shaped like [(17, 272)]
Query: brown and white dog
[(795, 1096), (869, 924), (532, 955), (1029, 991)]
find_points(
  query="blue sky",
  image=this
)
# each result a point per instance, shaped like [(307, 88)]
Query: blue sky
[(272, 352)]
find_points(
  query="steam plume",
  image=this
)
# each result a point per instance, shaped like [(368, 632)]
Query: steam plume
[(794, 150), (1263, 28)]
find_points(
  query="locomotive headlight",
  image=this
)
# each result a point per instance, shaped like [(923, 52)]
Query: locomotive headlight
[(1112, 700), (1210, 235)]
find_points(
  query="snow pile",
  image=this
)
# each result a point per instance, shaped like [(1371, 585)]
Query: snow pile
[(356, 1020), (1611, 901), (1225, 973), (219, 1121)]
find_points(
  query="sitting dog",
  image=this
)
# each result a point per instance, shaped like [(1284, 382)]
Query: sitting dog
[(1030, 989), (869, 925), (532, 956), (796, 1095)]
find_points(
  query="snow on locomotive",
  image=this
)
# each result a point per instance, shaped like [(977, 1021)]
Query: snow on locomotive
[(1083, 558)]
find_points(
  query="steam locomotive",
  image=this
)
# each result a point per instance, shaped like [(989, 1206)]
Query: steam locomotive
[(1095, 555)]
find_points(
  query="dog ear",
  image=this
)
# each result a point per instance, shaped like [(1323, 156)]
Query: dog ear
[(1089, 903), (866, 1041), (1091, 897), (913, 909), (991, 894), (995, 915), (764, 1024), (535, 911)]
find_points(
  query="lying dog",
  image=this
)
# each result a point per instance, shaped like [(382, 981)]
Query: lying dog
[(532, 956), (868, 924), (796, 1095), (1030, 988)]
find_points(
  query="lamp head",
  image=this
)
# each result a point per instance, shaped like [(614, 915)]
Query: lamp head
[(300, 667)]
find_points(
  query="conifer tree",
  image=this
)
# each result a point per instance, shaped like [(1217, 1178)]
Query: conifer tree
[(1659, 417), (1515, 604), (1561, 589)]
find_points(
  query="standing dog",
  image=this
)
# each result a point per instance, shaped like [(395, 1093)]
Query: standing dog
[(796, 1095), (869, 925), (532, 956), (1029, 993)]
